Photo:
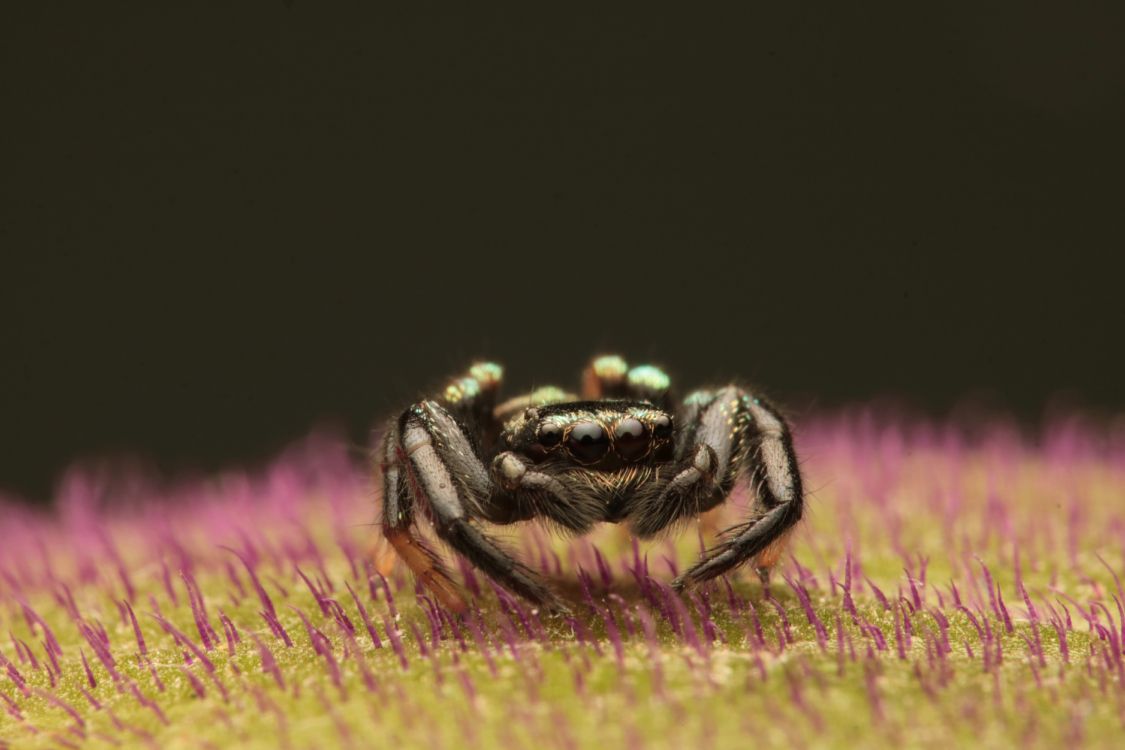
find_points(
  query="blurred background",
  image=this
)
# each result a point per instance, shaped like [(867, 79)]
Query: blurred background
[(220, 228)]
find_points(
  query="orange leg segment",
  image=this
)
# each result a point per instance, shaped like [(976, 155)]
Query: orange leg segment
[(427, 568)]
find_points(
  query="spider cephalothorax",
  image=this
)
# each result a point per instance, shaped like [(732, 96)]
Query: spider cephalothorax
[(620, 453)]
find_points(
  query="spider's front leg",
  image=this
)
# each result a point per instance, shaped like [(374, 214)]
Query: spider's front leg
[(429, 463), (748, 441), (761, 453)]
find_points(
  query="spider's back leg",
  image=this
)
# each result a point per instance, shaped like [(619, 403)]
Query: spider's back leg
[(471, 398), (608, 376)]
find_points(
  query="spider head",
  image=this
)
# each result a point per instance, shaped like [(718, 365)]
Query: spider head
[(601, 435)]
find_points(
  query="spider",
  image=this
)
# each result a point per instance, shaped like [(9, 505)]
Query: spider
[(619, 453)]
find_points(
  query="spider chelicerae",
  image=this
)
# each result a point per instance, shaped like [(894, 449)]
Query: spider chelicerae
[(619, 453)]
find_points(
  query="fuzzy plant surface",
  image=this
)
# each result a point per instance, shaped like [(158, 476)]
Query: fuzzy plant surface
[(944, 590)]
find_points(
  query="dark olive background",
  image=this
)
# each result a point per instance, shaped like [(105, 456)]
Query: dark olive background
[(222, 226)]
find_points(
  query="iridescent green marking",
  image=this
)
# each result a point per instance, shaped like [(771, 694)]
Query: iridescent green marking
[(609, 367), (649, 378), (699, 398), (482, 376), (486, 373), (462, 388), (547, 395)]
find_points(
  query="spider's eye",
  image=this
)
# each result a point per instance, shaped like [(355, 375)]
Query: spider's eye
[(630, 438), (587, 442), (662, 427), (550, 434)]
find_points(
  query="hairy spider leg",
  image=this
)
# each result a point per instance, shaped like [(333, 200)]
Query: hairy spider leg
[(700, 478), (609, 377), (430, 463), (763, 455), (471, 398), (604, 378), (398, 518)]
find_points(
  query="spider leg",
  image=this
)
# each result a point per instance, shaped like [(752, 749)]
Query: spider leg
[(471, 398), (398, 517), (609, 377), (604, 377), (761, 451), (429, 464), (700, 476)]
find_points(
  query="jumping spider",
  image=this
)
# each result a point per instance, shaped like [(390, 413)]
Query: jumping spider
[(617, 454)]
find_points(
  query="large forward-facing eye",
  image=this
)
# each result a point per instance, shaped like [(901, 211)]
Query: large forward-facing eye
[(587, 442), (550, 434), (630, 439)]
